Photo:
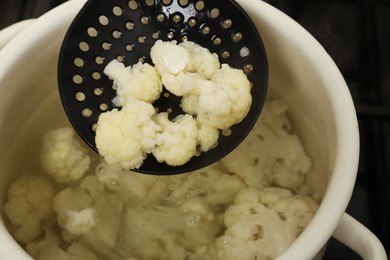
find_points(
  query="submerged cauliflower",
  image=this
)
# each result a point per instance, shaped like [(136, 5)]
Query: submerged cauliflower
[(124, 137), (80, 222), (92, 218), (131, 188), (63, 157), (272, 150), (75, 251), (28, 206), (262, 224)]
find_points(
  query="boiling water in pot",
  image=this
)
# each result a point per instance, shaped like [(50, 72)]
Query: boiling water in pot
[(227, 210)]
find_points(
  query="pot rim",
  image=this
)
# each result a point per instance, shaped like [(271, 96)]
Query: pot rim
[(340, 187)]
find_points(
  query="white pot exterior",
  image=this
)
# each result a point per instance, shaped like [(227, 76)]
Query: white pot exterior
[(301, 72)]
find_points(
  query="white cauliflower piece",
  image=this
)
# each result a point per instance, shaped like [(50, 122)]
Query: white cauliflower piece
[(81, 222), (63, 157), (28, 206), (169, 57), (50, 239), (143, 226), (181, 83), (94, 188), (262, 224), (172, 62), (140, 81), (179, 139), (124, 137), (103, 236), (207, 136), (180, 64), (75, 251), (221, 102), (213, 185), (133, 188), (52, 252), (202, 61), (259, 159), (202, 226), (93, 220), (68, 200)]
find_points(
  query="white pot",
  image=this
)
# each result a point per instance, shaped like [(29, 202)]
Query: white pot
[(301, 72)]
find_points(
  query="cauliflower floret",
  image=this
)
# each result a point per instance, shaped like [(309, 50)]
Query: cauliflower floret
[(63, 157), (81, 222), (36, 246), (181, 83), (179, 139), (213, 185), (68, 200), (260, 161), (207, 136), (221, 102), (140, 81), (133, 188), (169, 57), (103, 236), (28, 205), (218, 97), (180, 64), (172, 62), (94, 220), (202, 226), (143, 225), (93, 187), (262, 224), (202, 61), (124, 137), (75, 251)]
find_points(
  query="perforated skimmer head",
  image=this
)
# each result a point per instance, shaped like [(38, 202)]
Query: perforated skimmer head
[(126, 30)]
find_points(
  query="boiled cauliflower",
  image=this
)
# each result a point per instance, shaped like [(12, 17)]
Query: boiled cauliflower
[(217, 97), (124, 137), (63, 157), (95, 220), (271, 154), (81, 222), (50, 239), (202, 61), (180, 64), (207, 136), (140, 81), (221, 102), (217, 187), (70, 200), (180, 84), (168, 57), (131, 187), (28, 206), (262, 224), (179, 139), (76, 251), (173, 58)]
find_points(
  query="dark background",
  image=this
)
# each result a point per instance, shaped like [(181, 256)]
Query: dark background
[(357, 36)]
